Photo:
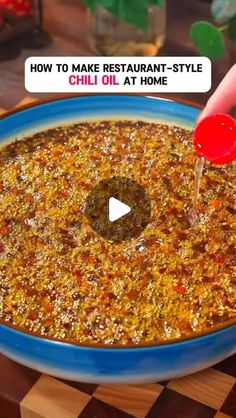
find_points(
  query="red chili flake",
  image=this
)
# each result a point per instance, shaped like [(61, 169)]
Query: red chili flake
[(152, 242), (29, 198), (122, 258), (62, 193), (56, 152), (31, 215), (1, 186), (219, 259), (30, 260), (31, 291), (122, 152), (33, 315), (133, 294), (85, 285), (86, 253), (44, 293), (41, 209), (91, 259), (78, 274), (67, 325), (147, 279), (75, 224), (19, 286), (181, 235), (207, 279), (110, 295), (139, 260), (172, 211), (87, 186), (1, 247), (185, 326), (166, 231), (49, 308), (109, 274), (180, 289), (88, 310), (42, 162), (48, 323), (154, 175), (216, 203), (16, 191), (5, 230), (53, 295), (216, 287)]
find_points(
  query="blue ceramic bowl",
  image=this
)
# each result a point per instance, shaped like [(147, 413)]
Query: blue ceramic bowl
[(98, 364)]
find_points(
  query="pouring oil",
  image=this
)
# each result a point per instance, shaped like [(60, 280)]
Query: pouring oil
[(198, 174)]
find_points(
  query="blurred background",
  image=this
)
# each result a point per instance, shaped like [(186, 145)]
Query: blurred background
[(67, 27)]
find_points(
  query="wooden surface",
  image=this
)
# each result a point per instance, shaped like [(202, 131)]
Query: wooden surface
[(25, 393), (66, 24)]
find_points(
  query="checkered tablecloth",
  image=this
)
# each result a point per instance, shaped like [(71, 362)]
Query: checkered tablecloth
[(25, 393)]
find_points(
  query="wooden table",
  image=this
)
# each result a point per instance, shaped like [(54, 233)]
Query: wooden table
[(25, 393)]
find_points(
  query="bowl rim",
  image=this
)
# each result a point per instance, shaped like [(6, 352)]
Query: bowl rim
[(69, 342), (61, 97), (198, 336)]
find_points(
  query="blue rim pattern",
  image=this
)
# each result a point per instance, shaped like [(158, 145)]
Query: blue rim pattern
[(75, 109)]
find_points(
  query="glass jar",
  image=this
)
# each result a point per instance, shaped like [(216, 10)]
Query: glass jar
[(114, 37)]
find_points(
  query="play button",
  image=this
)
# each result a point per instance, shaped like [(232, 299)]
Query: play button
[(118, 208)]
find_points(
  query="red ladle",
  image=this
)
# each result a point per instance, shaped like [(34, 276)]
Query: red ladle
[(215, 138)]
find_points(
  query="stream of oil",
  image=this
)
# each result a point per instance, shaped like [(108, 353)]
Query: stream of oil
[(198, 174)]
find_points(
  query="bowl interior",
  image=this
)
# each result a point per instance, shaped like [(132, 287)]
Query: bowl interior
[(90, 108)]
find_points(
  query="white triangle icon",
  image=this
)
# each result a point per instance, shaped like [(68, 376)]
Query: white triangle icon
[(117, 209)]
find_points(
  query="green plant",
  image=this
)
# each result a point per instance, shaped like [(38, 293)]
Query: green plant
[(132, 11), (208, 38)]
